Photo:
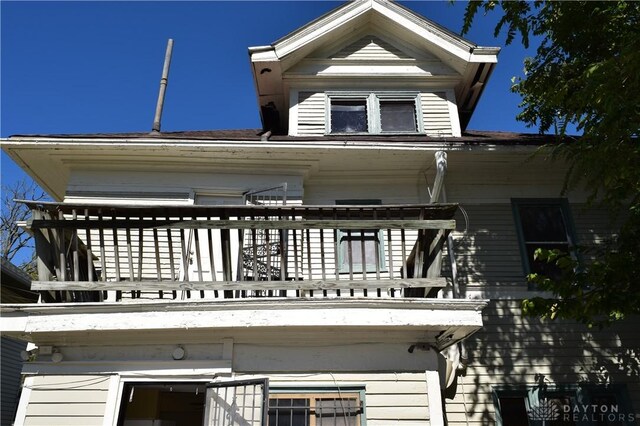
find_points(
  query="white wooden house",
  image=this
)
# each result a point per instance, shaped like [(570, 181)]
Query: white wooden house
[(325, 270)]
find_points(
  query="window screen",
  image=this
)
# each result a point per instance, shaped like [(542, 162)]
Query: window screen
[(349, 116), (398, 116)]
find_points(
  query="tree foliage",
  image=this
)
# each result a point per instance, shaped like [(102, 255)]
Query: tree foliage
[(15, 242), (585, 74)]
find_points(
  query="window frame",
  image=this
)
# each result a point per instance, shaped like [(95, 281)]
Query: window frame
[(319, 391), (358, 268), (374, 119), (565, 211)]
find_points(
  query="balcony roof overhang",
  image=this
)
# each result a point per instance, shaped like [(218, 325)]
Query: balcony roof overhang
[(50, 160), (438, 322)]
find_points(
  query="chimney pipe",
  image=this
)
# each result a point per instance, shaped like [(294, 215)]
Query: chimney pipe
[(163, 87)]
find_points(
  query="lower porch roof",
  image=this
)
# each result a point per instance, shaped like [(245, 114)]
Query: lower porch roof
[(436, 322)]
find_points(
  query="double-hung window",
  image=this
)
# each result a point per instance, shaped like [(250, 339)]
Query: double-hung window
[(546, 224), (374, 113)]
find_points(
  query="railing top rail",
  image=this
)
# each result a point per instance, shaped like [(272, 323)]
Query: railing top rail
[(387, 211)]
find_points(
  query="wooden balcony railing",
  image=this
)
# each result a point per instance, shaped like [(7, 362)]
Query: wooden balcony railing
[(104, 252)]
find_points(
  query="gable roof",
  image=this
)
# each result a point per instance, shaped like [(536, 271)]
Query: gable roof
[(461, 61)]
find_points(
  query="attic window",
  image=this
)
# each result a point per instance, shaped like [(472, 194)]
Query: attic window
[(374, 113), (397, 116), (349, 116)]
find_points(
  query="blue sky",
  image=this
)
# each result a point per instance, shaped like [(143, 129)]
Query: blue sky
[(87, 67)]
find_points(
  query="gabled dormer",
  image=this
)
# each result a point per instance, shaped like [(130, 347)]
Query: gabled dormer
[(370, 67)]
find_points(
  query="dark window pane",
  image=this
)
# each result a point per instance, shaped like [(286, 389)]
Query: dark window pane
[(288, 412), (349, 116), (398, 116), (513, 411), (543, 227), (542, 223), (604, 414), (337, 411), (545, 268)]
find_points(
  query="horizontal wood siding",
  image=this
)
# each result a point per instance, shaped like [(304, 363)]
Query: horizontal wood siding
[(311, 114), (11, 367), (371, 48), (517, 351), (486, 248), (391, 398), (435, 114), (67, 400)]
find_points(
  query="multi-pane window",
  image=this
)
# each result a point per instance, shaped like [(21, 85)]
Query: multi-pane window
[(542, 224), (315, 409), (374, 113)]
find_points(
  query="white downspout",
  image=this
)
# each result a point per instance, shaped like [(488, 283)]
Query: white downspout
[(456, 355), (436, 191), (436, 406), (441, 170)]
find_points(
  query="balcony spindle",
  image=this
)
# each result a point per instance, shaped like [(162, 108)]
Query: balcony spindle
[(130, 256), (90, 276), (322, 259), (196, 235), (116, 256), (376, 243), (74, 242), (212, 260), (156, 249), (309, 265), (63, 256), (172, 266), (363, 252), (296, 253), (140, 252)]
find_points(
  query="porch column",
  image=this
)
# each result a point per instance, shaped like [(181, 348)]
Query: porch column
[(434, 394)]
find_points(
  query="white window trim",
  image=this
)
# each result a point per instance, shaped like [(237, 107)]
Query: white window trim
[(373, 110)]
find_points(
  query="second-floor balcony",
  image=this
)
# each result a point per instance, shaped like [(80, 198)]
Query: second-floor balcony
[(92, 253)]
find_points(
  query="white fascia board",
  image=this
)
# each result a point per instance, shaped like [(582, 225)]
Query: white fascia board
[(266, 55), (320, 27), (282, 313), (478, 56), (447, 143), (419, 26)]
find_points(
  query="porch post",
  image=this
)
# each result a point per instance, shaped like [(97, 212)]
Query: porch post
[(434, 394)]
